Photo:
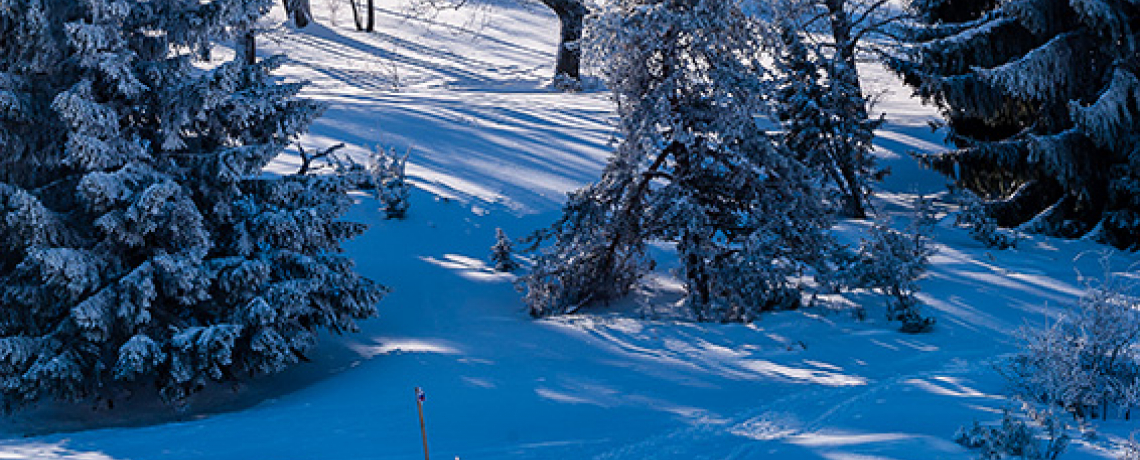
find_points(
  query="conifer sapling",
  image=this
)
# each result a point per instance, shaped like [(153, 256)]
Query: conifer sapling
[(501, 252), (392, 187)]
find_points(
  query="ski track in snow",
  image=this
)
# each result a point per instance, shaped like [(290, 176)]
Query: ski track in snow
[(491, 146)]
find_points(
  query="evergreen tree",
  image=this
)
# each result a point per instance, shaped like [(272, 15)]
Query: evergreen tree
[(693, 167), (818, 45), (501, 252), (139, 245), (1043, 99), (825, 119), (388, 175)]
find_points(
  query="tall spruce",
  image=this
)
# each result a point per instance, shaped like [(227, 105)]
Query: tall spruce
[(1043, 99), (140, 246), (819, 45), (824, 118), (693, 168)]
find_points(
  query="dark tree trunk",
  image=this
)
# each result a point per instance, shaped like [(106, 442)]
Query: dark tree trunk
[(299, 11), (696, 271), (356, 19), (842, 33), (571, 14), (249, 47), (371, 15), (855, 197)]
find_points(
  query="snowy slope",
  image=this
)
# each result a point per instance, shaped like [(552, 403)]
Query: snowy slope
[(492, 147)]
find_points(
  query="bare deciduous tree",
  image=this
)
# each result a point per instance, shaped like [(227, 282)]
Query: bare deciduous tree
[(367, 23)]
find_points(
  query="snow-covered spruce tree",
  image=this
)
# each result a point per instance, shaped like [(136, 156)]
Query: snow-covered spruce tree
[(501, 252), (139, 246), (824, 118), (692, 168), (1043, 99), (392, 188)]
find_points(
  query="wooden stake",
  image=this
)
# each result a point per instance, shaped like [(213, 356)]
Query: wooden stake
[(423, 430)]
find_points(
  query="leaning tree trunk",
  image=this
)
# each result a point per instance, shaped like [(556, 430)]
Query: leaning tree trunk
[(571, 13), (367, 23), (855, 197), (356, 15)]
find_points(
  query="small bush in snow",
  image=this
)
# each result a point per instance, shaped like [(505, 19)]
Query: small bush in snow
[(982, 227), (891, 262), (566, 83), (1042, 438), (392, 187), (1131, 450), (501, 252), (354, 175), (1088, 360)]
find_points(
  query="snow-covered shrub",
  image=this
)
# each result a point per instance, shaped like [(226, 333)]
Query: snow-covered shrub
[(501, 252), (384, 175), (892, 261), (140, 246), (391, 181), (1130, 450), (566, 83), (1088, 361), (693, 168), (356, 175), (973, 216), (1042, 437), (589, 262)]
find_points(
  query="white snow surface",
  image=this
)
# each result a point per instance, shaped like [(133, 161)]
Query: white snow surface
[(492, 146)]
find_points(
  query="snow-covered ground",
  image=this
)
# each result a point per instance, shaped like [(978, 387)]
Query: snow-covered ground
[(491, 146)]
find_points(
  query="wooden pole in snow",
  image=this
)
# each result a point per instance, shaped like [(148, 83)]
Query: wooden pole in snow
[(423, 431)]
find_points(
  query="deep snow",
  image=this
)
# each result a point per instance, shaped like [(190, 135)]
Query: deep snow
[(491, 146)]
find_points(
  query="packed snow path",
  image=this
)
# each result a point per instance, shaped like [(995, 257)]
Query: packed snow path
[(491, 147)]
